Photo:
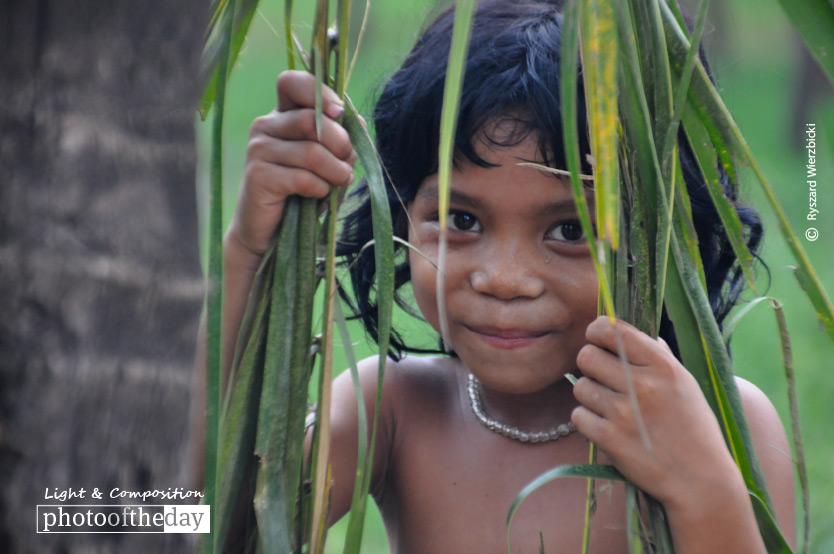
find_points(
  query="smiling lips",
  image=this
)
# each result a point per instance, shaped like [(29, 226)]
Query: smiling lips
[(507, 338)]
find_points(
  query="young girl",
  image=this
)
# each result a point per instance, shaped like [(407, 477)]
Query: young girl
[(461, 435)]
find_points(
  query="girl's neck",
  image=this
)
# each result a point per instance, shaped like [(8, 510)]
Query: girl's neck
[(534, 412)]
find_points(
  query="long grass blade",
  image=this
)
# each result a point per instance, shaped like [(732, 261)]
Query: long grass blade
[(214, 298), (361, 411), (731, 323), (301, 359), (288, 36), (384, 260), (695, 354), (706, 157), (590, 501), (651, 222), (775, 543), (240, 410), (669, 146), (213, 49), (271, 507), (723, 131), (660, 532), (568, 95), (634, 535), (686, 226), (599, 47), (362, 29), (683, 85), (341, 75), (383, 243), (716, 364), (586, 471), (319, 55), (814, 19), (455, 69), (711, 365), (321, 439), (320, 482), (796, 429)]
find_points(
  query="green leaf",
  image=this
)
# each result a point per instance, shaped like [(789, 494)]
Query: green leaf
[(599, 46), (706, 157), (239, 419), (796, 430), (775, 543), (214, 295), (716, 364), (713, 114), (320, 482), (661, 534), (633, 526), (683, 85), (361, 411), (586, 471), (288, 36), (568, 95), (342, 47), (453, 85), (688, 236), (213, 48), (319, 57), (384, 260), (814, 20), (273, 493), (695, 325), (648, 195), (731, 323)]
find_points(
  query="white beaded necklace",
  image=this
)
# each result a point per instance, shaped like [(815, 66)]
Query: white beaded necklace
[(474, 388)]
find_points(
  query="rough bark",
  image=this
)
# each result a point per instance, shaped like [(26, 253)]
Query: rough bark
[(100, 286)]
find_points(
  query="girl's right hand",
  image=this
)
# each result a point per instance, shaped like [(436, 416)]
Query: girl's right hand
[(285, 157)]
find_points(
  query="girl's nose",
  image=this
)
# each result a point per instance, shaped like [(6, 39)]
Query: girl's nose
[(506, 278)]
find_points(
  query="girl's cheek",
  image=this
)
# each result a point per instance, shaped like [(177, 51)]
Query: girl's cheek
[(424, 236), (423, 283)]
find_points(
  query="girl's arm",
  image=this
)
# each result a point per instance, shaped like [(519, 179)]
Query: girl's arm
[(689, 468)]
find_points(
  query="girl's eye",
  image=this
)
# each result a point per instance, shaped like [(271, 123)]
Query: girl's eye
[(570, 231), (463, 221)]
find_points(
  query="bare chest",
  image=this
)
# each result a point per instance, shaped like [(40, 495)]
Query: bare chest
[(451, 491)]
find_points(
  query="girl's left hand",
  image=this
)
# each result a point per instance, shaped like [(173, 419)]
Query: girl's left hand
[(687, 451)]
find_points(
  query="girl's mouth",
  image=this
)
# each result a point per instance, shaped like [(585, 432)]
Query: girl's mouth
[(507, 338)]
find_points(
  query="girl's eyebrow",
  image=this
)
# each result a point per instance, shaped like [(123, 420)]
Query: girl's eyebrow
[(430, 192), (549, 209), (559, 207)]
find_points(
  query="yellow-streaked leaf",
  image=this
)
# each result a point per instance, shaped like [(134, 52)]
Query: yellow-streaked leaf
[(599, 46)]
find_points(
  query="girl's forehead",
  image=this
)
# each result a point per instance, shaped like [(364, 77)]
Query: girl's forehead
[(503, 141), (507, 182)]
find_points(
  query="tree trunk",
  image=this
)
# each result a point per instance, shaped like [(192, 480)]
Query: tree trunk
[(100, 287)]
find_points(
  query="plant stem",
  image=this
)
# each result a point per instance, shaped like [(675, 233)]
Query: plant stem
[(214, 299)]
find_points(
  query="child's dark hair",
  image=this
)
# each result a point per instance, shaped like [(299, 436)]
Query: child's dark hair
[(512, 73)]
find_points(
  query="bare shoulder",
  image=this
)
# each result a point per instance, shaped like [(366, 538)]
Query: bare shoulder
[(411, 388), (765, 424), (771, 443), (406, 383)]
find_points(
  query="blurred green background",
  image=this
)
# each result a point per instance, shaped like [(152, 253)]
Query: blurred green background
[(757, 61)]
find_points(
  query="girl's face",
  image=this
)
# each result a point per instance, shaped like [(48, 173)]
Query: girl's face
[(520, 284)]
